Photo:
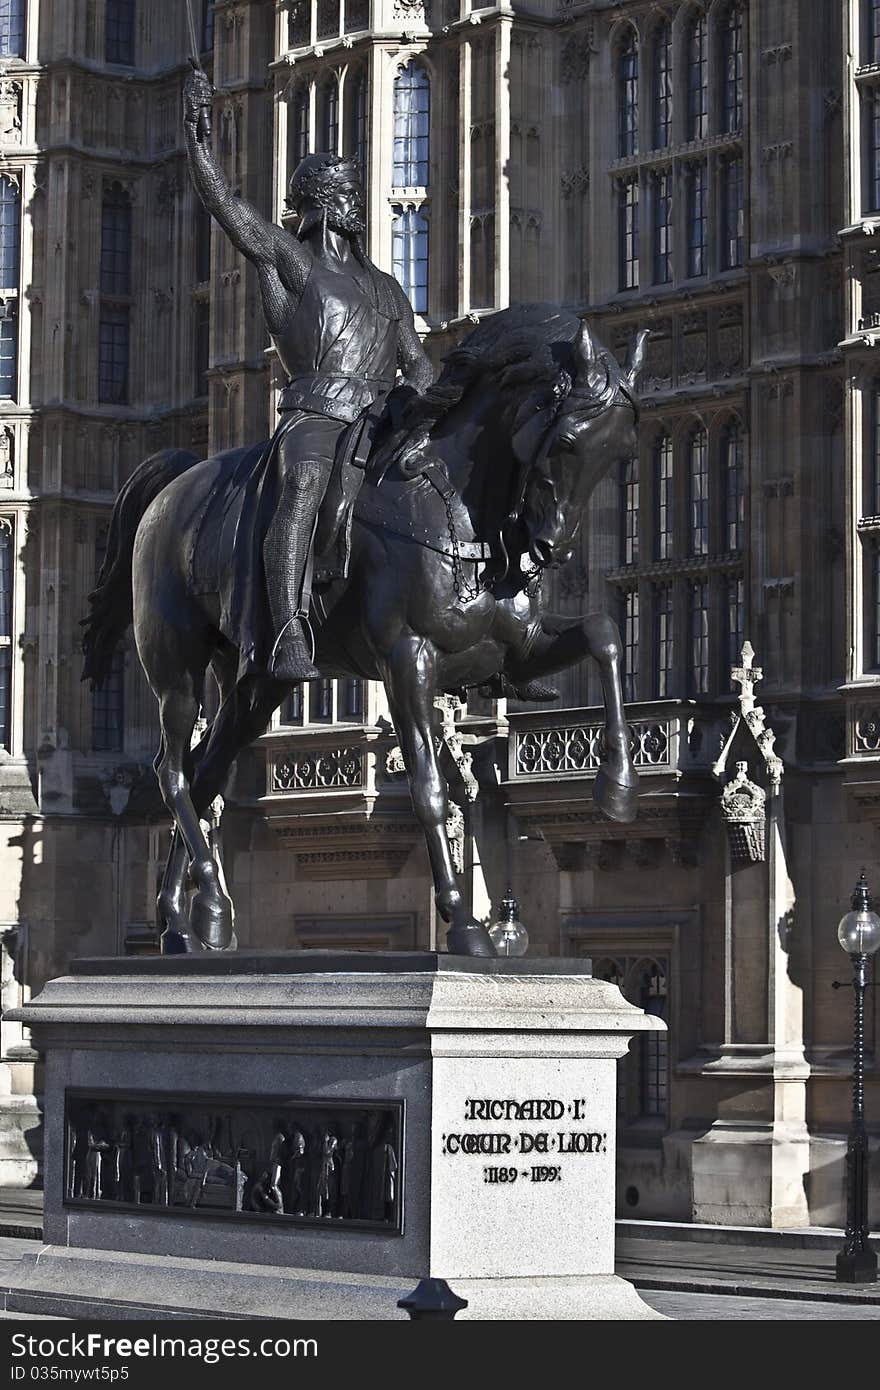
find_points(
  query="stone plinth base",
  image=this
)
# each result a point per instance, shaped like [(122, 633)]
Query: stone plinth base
[(303, 1134), (62, 1283)]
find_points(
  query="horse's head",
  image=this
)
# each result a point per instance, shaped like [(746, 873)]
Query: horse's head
[(567, 434)]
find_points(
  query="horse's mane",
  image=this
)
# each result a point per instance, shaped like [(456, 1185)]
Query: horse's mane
[(527, 344)]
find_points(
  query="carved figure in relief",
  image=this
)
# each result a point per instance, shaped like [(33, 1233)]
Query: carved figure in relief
[(96, 1149), (296, 1174), (326, 1186), (265, 1195), (123, 1165), (159, 1165)]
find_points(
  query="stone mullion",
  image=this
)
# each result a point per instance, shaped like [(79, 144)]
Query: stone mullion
[(854, 416), (465, 100), (502, 161), (342, 75), (281, 134), (313, 112)]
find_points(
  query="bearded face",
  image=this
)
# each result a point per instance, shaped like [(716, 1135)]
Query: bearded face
[(349, 221)]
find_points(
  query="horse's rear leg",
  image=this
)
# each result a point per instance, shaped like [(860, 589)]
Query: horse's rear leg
[(244, 715), (211, 910)]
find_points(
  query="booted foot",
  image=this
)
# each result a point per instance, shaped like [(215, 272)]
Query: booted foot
[(292, 662), (500, 687), (473, 940)]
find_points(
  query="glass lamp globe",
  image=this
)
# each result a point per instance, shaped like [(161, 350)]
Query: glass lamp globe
[(509, 936), (859, 930)]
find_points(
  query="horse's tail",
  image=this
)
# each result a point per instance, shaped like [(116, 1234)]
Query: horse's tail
[(111, 603)]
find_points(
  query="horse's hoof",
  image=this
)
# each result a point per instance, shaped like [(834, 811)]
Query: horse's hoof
[(616, 800), (211, 922), (473, 940), (174, 943), (233, 945)]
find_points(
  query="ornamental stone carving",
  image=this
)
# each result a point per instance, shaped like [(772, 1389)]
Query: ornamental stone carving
[(743, 808), (743, 802), (319, 769), (574, 61), (866, 729), (10, 111), (577, 749), (574, 181)]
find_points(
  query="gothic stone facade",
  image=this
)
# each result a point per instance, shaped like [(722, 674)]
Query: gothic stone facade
[(705, 169)]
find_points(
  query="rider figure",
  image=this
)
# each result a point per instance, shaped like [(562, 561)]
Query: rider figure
[(342, 330)]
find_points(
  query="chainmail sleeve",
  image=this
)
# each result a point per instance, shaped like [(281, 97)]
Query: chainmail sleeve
[(261, 241)]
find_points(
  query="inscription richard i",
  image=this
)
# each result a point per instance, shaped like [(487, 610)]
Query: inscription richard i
[(503, 1140)]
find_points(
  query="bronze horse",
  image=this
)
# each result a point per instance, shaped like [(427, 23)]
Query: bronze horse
[(479, 490)]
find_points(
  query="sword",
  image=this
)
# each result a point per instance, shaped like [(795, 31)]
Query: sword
[(195, 61)]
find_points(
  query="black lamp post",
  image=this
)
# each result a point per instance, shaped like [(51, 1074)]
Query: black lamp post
[(859, 935)]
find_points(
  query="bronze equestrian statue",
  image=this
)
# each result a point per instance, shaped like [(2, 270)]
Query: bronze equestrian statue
[(433, 512)]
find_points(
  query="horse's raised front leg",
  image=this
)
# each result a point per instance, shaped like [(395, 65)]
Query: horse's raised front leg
[(563, 644), (409, 674)]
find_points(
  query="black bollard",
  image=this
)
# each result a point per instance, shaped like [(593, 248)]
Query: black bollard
[(432, 1298)]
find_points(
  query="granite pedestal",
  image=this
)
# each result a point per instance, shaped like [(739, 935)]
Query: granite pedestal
[(308, 1135)]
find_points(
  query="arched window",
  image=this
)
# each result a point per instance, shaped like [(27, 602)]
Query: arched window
[(630, 626), (648, 990), (629, 512), (299, 24), (10, 233), (735, 595), (628, 233), (119, 32), (5, 630), (116, 242), (698, 629), (207, 26), (328, 19), (330, 116), (698, 217), (662, 85), (698, 493), (628, 96), (299, 143), (664, 649), (733, 471), (412, 115), (12, 28), (697, 78), (10, 239), (872, 96), (409, 255), (356, 119), (8, 351), (872, 32), (663, 227), (732, 58), (663, 498), (733, 246)]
